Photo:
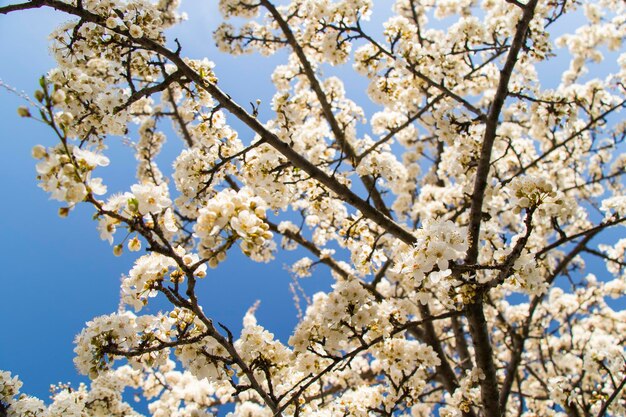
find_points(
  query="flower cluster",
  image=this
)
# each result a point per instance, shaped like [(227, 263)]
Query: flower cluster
[(466, 396), (195, 172), (9, 387), (396, 354), (349, 308), (614, 206), (202, 360), (438, 243), (240, 214), (258, 347), (65, 172), (528, 275), (27, 406), (530, 191), (180, 394), (151, 270), (149, 198), (106, 338)]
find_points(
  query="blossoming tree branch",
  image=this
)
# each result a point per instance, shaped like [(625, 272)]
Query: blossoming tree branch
[(471, 186)]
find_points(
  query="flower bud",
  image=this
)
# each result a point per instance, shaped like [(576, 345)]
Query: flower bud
[(135, 31), (23, 111), (118, 250), (134, 244), (111, 22), (58, 97), (38, 152)]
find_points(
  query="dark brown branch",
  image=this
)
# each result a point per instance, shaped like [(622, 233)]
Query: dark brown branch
[(484, 164), (342, 192), (520, 340), (461, 344), (34, 4), (475, 314), (155, 348), (515, 253), (448, 376), (148, 91)]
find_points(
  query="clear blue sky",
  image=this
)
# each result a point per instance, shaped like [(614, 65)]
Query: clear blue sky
[(57, 274)]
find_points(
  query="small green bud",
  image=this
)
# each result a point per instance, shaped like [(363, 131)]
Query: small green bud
[(133, 204)]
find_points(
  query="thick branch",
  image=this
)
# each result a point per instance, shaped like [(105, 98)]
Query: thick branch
[(484, 164), (444, 371), (475, 314), (21, 6), (430, 337), (461, 344)]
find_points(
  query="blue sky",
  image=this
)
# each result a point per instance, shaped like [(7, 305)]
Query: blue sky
[(57, 273)]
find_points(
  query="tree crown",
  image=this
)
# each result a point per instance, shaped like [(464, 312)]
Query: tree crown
[(460, 188)]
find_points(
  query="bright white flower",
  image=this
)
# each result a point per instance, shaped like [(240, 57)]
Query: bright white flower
[(135, 31), (151, 198)]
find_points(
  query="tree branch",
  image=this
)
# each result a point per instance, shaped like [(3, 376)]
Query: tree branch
[(33, 4), (475, 314)]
